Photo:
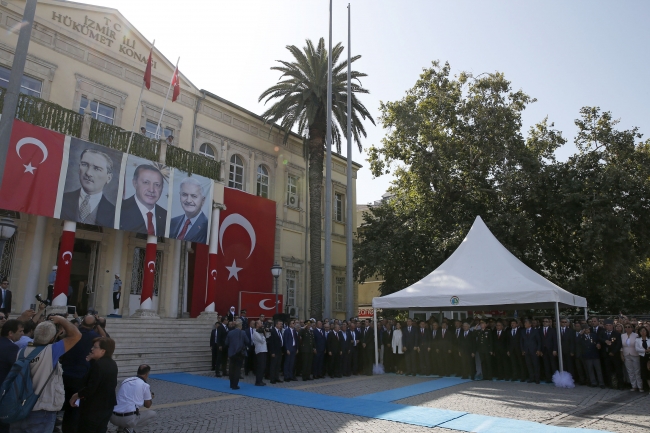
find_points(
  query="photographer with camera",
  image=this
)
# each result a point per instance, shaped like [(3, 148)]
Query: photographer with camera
[(133, 394), (75, 366)]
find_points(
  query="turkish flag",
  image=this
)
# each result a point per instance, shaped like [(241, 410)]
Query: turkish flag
[(32, 170), (256, 304), (176, 84), (147, 71), (246, 245)]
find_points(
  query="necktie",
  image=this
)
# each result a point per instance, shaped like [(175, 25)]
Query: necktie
[(150, 229), (84, 209), (498, 333), (183, 232), (562, 331), (422, 331), (545, 332), (513, 332), (528, 332), (465, 333), (443, 333)]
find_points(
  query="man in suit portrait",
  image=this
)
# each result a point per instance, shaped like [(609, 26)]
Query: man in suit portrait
[(5, 298), (192, 225), (88, 204), (140, 212)]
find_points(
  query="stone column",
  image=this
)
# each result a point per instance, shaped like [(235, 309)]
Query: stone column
[(176, 272), (31, 285), (64, 263), (209, 312), (149, 275)]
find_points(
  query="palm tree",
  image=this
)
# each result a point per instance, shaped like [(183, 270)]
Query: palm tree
[(301, 102)]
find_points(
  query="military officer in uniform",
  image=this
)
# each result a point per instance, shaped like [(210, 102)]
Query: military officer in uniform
[(307, 349), (485, 349)]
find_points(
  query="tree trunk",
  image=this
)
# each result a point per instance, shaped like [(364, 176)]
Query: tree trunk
[(316, 156)]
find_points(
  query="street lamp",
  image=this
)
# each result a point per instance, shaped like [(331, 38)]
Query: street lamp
[(7, 230), (276, 270)]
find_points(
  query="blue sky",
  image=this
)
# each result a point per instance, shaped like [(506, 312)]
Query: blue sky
[(567, 54)]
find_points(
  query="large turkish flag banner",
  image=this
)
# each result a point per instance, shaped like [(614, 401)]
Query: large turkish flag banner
[(32, 170), (257, 304), (246, 244)]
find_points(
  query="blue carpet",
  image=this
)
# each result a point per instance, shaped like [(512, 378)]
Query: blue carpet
[(415, 415), (417, 389)]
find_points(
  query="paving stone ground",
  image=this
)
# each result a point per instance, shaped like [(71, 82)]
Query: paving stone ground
[(186, 409)]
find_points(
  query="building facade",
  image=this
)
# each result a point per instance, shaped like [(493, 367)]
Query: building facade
[(90, 59)]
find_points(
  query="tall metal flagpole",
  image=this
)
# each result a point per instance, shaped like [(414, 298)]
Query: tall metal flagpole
[(327, 279), (349, 292), (166, 98), (137, 107), (15, 78)]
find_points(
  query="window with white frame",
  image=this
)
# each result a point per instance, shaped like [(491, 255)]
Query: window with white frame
[(28, 85), (338, 293), (206, 150), (292, 191), (292, 280), (100, 111), (262, 181), (338, 207), (236, 175), (154, 132)]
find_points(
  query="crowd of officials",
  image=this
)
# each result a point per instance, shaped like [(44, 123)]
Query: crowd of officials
[(74, 374), (612, 353)]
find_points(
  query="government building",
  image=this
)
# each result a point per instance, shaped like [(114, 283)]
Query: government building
[(90, 60)]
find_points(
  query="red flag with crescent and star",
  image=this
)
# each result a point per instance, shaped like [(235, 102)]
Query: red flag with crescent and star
[(246, 246), (31, 178), (176, 84), (147, 71)]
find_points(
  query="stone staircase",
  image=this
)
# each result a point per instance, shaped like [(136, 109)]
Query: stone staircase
[(167, 345)]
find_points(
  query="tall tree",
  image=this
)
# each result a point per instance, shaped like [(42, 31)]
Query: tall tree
[(300, 101)]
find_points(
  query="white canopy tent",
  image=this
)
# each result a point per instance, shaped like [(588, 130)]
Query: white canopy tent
[(481, 275)]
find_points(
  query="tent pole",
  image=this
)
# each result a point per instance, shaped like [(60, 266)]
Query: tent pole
[(374, 324), (559, 336), (586, 313)]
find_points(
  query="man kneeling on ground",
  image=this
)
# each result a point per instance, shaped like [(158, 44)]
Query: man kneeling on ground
[(133, 394)]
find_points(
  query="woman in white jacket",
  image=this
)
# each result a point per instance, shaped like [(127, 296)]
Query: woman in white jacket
[(643, 350), (259, 339), (397, 349), (631, 357)]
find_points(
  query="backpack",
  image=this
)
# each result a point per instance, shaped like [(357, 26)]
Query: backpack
[(17, 396)]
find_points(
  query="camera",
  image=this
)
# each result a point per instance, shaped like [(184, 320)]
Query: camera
[(40, 299)]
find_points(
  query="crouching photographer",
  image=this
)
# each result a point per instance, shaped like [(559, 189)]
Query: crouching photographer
[(133, 394)]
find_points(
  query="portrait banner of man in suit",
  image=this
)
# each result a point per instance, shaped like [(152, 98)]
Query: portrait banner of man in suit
[(146, 197), (191, 208), (91, 184)]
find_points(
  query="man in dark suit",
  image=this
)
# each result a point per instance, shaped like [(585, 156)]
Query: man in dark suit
[(355, 347), (409, 346), (466, 350), (88, 204), (346, 348), (613, 365), (5, 297), (274, 346), (517, 368), (290, 348), (192, 225), (213, 345), (435, 358), (368, 345), (222, 351), (307, 349), (320, 344), (424, 348), (531, 346), (567, 341), (140, 212), (334, 350), (500, 346), (456, 361), (444, 349), (549, 349)]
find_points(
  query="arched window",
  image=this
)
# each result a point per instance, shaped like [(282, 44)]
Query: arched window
[(262, 181), (206, 150), (236, 176)]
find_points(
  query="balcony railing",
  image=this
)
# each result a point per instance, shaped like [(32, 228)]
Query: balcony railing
[(52, 116)]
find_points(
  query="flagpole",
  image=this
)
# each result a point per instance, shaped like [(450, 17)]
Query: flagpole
[(137, 107), (166, 97), (349, 292), (327, 279)]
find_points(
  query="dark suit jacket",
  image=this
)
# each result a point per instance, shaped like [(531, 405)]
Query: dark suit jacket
[(549, 341), (221, 335), (70, 209), (500, 342), (616, 345), (97, 394), (320, 343), (424, 338), (410, 339), (334, 342), (514, 342), (568, 341), (213, 335), (530, 343), (274, 344), (131, 219), (7, 308), (198, 231), (445, 344), (467, 345), (288, 336), (236, 340)]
